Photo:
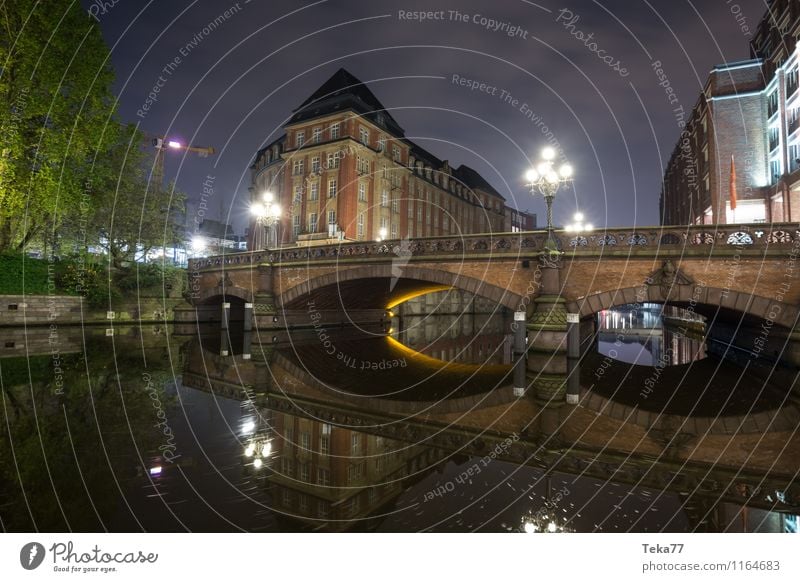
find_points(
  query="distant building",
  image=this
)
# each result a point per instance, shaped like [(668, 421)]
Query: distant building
[(345, 170), (216, 235), (748, 110)]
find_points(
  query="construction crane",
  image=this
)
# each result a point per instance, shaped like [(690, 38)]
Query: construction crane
[(162, 144)]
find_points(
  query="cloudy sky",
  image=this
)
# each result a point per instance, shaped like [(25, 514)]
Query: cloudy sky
[(232, 85)]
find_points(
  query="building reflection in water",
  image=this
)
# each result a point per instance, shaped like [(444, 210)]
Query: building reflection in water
[(454, 326), (333, 478), (651, 334)]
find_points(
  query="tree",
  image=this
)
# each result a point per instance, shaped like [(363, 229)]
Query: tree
[(133, 214), (56, 117)]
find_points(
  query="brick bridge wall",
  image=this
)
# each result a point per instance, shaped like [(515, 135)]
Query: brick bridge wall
[(747, 268)]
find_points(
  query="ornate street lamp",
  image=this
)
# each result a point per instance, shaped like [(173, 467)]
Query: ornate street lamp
[(547, 180), (578, 226), (267, 214)]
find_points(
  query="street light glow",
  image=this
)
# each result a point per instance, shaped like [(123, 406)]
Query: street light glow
[(531, 176), (268, 196), (258, 210), (548, 153), (578, 217), (174, 144), (565, 171), (198, 244)]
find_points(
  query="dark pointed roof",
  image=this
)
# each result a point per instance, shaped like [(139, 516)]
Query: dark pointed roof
[(475, 181), (341, 92)]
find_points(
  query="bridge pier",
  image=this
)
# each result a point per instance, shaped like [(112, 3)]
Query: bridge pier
[(265, 311), (547, 335), (791, 354)]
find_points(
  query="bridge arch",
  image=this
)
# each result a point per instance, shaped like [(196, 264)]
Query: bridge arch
[(379, 286), (704, 300)]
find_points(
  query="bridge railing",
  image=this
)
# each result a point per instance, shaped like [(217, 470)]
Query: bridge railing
[(671, 239)]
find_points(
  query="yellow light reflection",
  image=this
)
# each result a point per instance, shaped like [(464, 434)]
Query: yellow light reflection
[(416, 293)]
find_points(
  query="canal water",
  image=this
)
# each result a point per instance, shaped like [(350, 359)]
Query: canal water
[(412, 426)]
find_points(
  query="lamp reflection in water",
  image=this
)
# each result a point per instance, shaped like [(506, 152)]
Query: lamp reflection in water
[(257, 437), (546, 519)]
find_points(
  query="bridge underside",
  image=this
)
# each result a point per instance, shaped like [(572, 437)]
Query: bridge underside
[(377, 293), (384, 286)]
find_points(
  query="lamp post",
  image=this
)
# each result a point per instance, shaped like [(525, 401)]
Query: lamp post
[(578, 225), (545, 179), (267, 214)]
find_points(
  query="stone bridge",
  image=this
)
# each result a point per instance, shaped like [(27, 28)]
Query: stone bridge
[(745, 276)]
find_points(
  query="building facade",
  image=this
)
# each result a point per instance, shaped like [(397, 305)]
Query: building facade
[(746, 117), (344, 170)]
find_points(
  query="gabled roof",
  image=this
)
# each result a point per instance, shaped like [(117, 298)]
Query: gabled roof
[(341, 92)]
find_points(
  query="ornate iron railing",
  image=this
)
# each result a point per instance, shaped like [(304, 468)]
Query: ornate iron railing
[(784, 237)]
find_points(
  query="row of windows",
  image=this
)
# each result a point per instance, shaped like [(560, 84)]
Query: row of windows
[(332, 162), (334, 132)]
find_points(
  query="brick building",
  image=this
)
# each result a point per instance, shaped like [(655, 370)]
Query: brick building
[(344, 169), (748, 110)]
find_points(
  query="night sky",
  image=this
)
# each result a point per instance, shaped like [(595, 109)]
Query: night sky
[(235, 86)]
